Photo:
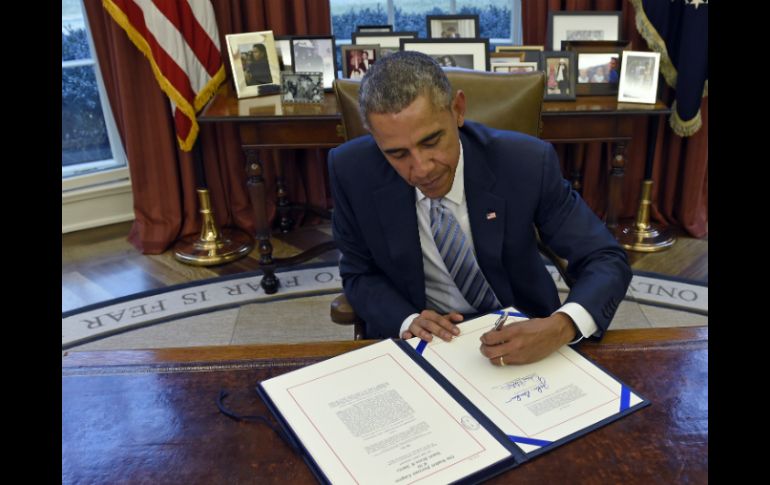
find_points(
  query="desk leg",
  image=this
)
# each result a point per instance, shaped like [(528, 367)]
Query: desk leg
[(576, 153), (282, 195), (615, 186), (256, 186)]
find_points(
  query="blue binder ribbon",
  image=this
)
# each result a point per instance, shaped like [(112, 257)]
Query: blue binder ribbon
[(528, 441), (421, 346), (625, 398)]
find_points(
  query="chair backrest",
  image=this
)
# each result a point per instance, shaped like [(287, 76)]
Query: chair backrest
[(499, 100)]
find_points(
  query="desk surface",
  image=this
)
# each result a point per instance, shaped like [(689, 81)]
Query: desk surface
[(150, 416)]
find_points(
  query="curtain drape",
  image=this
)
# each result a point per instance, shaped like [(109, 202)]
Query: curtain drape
[(163, 177), (680, 165)]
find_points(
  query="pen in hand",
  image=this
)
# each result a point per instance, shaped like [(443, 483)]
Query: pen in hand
[(501, 321)]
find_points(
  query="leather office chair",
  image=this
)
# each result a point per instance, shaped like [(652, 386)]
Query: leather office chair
[(499, 100)]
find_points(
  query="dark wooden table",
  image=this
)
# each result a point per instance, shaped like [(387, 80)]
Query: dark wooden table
[(149, 416), (264, 123)]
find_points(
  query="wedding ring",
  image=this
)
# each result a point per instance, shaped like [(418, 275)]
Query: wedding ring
[(501, 361)]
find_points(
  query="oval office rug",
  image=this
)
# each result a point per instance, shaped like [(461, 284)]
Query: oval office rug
[(232, 310)]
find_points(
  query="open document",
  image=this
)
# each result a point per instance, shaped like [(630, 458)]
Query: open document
[(534, 404), (399, 412)]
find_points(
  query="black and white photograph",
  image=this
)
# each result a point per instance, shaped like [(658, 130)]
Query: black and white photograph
[(283, 48), (357, 59), (302, 87), (466, 53), (639, 77), (456, 60), (389, 42), (315, 54), (581, 25), (254, 61), (453, 26), (559, 75)]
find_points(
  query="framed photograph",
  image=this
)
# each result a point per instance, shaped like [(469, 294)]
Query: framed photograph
[(374, 28), (453, 26), (470, 54), (505, 58), (283, 48), (559, 67), (254, 63), (302, 87), (388, 41), (529, 53), (515, 67), (315, 53), (639, 77), (357, 58), (598, 65), (582, 25)]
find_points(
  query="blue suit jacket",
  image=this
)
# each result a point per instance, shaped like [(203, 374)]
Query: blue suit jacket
[(517, 177)]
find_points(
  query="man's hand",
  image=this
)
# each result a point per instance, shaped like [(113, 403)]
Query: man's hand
[(528, 341), (430, 323)]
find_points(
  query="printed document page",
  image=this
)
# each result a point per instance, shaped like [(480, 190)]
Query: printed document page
[(374, 416), (534, 404)]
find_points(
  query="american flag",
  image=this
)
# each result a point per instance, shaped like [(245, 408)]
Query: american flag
[(181, 40)]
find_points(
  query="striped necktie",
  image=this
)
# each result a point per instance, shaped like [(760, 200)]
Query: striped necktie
[(455, 250)]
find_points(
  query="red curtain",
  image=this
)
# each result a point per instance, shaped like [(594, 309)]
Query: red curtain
[(680, 165), (162, 176)]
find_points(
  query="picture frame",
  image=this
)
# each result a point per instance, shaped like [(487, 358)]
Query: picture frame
[(356, 59), (452, 26), (374, 28), (466, 53), (302, 87), (389, 42), (598, 65), (515, 67), (283, 48), (315, 53), (639, 77), (500, 58), (254, 63), (530, 53), (582, 25), (559, 81)]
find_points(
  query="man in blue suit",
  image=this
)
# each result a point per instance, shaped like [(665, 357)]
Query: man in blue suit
[(497, 186)]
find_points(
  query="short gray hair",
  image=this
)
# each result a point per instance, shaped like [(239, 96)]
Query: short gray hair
[(396, 80)]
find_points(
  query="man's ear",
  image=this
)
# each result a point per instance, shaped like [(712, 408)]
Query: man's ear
[(458, 107)]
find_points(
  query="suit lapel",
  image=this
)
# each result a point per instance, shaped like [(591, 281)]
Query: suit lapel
[(395, 204), (487, 215)]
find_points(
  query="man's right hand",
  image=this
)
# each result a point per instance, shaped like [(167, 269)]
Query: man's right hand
[(430, 323)]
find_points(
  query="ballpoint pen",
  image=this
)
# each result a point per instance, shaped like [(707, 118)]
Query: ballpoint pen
[(501, 321)]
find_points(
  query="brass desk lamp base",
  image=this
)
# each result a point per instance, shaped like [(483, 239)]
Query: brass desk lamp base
[(213, 246), (641, 235)]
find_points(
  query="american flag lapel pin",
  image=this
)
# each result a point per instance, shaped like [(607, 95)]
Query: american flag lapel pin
[(491, 215)]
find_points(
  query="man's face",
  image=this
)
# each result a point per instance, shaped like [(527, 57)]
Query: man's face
[(422, 143)]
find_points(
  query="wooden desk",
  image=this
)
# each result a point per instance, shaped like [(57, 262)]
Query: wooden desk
[(150, 416), (264, 123)]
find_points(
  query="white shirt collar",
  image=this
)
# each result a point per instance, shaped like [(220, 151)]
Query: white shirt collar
[(457, 193)]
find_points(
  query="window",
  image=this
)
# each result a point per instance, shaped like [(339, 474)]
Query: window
[(96, 189), (91, 149), (499, 20)]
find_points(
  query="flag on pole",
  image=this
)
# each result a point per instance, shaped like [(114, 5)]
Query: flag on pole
[(181, 41), (678, 29)]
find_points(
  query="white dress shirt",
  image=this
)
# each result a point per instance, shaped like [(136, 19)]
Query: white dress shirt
[(441, 292)]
